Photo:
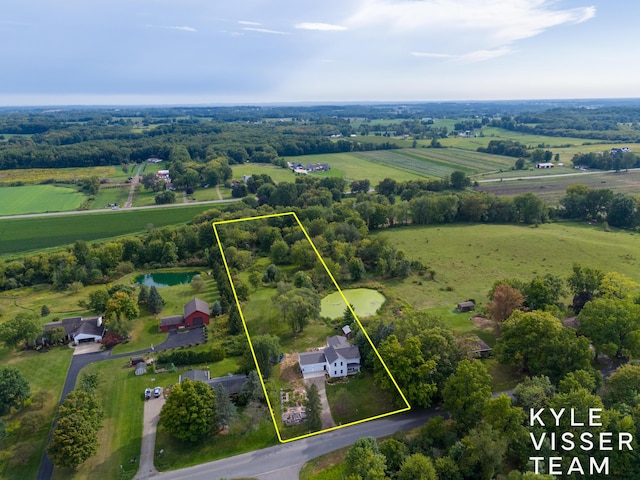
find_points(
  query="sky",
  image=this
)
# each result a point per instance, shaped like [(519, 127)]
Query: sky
[(143, 52)]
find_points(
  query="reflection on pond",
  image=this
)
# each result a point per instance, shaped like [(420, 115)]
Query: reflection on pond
[(160, 280)]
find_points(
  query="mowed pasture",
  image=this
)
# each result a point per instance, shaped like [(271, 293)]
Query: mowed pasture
[(38, 199), (467, 259), (26, 234), (277, 174), (553, 188)]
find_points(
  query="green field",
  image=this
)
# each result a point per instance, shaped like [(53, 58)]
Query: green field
[(467, 259), (351, 166), (38, 199), (25, 234), (110, 195), (65, 175), (277, 174)]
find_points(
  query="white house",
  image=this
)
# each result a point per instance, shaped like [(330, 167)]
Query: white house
[(80, 329), (337, 359), (544, 165)]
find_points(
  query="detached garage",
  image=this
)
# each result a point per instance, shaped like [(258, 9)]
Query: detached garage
[(312, 362)]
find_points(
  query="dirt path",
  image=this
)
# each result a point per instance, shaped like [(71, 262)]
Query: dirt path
[(218, 192), (134, 182), (152, 409), (327, 419)]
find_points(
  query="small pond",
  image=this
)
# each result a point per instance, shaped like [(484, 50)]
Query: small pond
[(160, 280), (365, 301)]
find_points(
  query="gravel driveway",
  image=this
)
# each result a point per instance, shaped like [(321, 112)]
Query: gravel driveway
[(152, 409)]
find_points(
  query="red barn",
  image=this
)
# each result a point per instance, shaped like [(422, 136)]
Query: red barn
[(196, 314)]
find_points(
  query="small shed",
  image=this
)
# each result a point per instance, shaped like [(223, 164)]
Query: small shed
[(346, 330), (136, 360), (141, 369), (467, 306)]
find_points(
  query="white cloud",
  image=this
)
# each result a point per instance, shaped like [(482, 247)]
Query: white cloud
[(265, 30), (469, 57), (319, 26), (432, 55), (182, 28), (246, 22)]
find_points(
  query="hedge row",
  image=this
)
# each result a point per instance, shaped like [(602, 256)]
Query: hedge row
[(188, 357)]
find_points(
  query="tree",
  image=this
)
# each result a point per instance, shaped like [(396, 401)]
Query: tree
[(14, 389), (44, 311), (190, 410), (270, 274), (583, 283), (395, 453), (314, 408), (613, 326), (482, 455), (119, 311), (356, 268), (298, 306), (216, 309), (98, 301), (23, 328), (459, 180), (226, 410), (529, 208), (54, 335), (74, 440), (267, 350), (150, 181), (417, 467), (143, 295), (539, 344), (252, 389), (504, 301), (155, 303), (279, 252), (165, 197), (466, 392), (364, 460), (533, 392), (623, 387), (621, 211), (617, 285)]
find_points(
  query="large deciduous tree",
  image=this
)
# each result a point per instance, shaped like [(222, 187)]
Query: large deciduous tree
[(267, 350), (23, 328), (119, 311), (539, 344), (14, 389), (298, 307), (505, 300), (190, 410), (466, 392), (613, 326), (364, 460)]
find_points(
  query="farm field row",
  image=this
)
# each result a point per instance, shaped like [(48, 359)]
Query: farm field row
[(26, 234), (38, 198), (553, 188), (468, 258)]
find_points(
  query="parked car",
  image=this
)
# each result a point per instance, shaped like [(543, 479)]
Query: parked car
[(147, 394), (157, 392)]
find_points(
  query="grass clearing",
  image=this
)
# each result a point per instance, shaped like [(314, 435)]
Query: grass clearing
[(467, 258), (38, 199), (325, 467), (25, 234), (39, 175), (106, 196), (277, 174)]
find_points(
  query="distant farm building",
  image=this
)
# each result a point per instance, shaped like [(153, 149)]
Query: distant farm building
[(163, 175), (318, 167), (196, 314), (545, 165)]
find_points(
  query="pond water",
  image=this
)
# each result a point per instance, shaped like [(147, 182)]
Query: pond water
[(365, 301), (160, 280)]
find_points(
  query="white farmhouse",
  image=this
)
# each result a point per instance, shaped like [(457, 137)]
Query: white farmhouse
[(337, 359)]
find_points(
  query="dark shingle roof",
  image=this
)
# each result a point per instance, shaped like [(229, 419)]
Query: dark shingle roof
[(309, 358), (231, 383), (202, 375), (174, 320)]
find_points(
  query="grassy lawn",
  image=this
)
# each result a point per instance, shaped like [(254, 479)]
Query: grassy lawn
[(325, 467), (110, 195), (26, 234), (38, 199), (277, 174), (469, 258), (20, 452), (359, 399)]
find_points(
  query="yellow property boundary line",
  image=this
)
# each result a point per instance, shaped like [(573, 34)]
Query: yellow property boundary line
[(246, 330)]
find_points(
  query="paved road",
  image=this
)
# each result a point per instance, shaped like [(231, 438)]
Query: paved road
[(78, 362), (283, 462)]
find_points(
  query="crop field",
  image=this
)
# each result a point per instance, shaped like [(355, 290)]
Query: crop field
[(552, 189), (352, 166), (39, 175), (378, 139), (38, 199), (439, 162), (26, 234), (467, 259)]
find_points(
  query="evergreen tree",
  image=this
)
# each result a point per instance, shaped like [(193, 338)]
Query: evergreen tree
[(314, 408), (154, 302), (143, 296), (226, 409), (216, 309)]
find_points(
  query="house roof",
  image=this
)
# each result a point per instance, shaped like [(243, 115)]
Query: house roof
[(346, 329), (173, 320), (349, 353), (309, 358), (202, 375), (196, 305), (76, 325), (331, 354), (468, 303), (231, 383), (337, 341)]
